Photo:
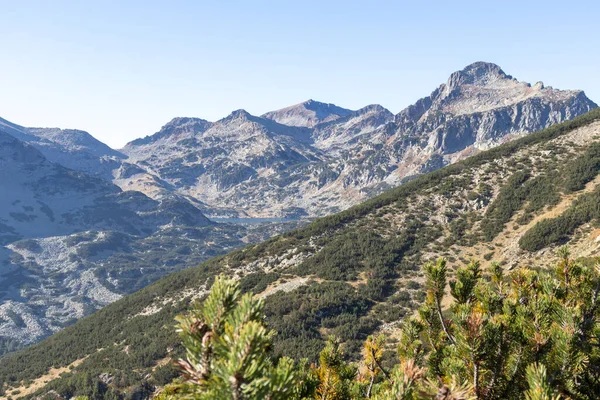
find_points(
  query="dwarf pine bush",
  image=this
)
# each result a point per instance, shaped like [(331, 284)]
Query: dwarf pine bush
[(492, 335)]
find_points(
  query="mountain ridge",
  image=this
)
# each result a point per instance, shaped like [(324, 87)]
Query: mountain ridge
[(477, 108), (196, 125), (245, 166), (342, 156), (307, 114), (353, 273), (72, 148)]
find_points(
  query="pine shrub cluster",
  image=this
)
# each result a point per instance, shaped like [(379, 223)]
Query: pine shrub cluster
[(484, 334)]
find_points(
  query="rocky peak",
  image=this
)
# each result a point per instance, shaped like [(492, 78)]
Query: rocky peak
[(230, 125), (177, 126), (73, 140), (323, 109), (479, 73), (480, 87), (72, 148), (236, 118), (241, 125), (373, 109), (307, 114), (539, 85), (312, 155), (188, 124), (240, 114), (480, 104), (66, 140)]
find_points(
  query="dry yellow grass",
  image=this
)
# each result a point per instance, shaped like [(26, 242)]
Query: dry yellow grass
[(40, 382)]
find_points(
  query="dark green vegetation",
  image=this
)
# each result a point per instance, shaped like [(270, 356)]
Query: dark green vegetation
[(299, 315), (8, 345), (558, 230), (532, 194), (504, 336), (361, 268)]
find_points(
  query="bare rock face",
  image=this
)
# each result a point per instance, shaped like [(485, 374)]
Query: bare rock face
[(228, 161), (314, 158), (481, 104), (345, 132), (175, 128)]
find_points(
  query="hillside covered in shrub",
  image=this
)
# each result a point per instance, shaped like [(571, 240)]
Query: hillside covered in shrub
[(512, 335)]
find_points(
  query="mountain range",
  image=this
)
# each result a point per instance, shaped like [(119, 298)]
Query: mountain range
[(82, 224), (313, 159), (350, 274)]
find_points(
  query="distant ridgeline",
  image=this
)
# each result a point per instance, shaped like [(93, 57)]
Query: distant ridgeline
[(351, 274), (314, 159)]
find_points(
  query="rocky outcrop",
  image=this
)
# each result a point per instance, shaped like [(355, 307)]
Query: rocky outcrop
[(175, 128), (313, 158), (237, 152), (480, 105)]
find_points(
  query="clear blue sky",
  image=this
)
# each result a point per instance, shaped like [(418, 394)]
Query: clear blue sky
[(122, 69)]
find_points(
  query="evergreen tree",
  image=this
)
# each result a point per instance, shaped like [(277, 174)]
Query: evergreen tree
[(227, 355), (483, 335), (529, 334), (334, 374)]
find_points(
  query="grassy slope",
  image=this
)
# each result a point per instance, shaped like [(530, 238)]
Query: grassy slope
[(364, 264)]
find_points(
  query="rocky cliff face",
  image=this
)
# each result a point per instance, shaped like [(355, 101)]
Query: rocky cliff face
[(177, 127), (480, 105), (313, 158), (227, 161), (317, 158)]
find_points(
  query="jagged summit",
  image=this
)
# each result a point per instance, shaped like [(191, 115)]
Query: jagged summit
[(482, 87), (185, 122), (307, 114), (482, 67), (371, 108), (68, 139), (240, 114), (479, 73), (313, 158)]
